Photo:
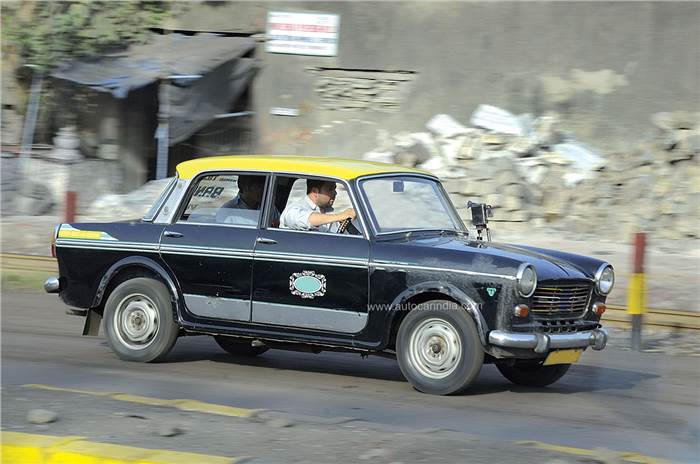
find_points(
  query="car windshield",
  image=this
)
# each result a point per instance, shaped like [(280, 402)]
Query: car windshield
[(405, 203)]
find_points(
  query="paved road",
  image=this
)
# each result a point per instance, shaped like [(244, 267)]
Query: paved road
[(618, 400)]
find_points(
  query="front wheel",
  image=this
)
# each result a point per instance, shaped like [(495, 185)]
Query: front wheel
[(438, 348), (533, 373), (138, 320)]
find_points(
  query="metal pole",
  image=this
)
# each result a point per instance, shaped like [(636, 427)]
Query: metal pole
[(30, 122), (636, 293), (163, 131)]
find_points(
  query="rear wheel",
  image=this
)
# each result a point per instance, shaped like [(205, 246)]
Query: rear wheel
[(438, 348), (533, 373), (239, 347), (138, 320)]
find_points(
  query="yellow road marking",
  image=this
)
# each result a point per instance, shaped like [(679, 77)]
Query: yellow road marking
[(622, 455), (211, 408), (181, 404), (68, 390), (28, 448)]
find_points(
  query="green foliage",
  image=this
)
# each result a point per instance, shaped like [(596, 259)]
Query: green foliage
[(46, 33)]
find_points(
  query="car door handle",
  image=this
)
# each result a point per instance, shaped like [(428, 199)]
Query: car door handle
[(170, 233), (266, 241)]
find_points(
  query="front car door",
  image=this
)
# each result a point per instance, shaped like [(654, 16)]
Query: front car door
[(209, 246), (310, 280)]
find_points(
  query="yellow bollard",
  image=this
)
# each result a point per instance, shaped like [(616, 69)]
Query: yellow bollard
[(637, 291)]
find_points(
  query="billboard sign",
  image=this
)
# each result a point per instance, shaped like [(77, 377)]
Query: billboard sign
[(302, 33)]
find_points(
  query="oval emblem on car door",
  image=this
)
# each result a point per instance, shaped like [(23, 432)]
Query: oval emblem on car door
[(307, 284)]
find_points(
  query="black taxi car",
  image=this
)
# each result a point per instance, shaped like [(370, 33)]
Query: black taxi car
[(216, 255)]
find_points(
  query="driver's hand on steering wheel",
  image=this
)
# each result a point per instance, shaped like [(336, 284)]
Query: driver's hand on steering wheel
[(349, 214)]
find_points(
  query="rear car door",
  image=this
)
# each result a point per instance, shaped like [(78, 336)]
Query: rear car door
[(209, 246)]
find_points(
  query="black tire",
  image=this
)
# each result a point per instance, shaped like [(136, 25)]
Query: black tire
[(533, 373), (238, 347), (454, 333), (138, 320)]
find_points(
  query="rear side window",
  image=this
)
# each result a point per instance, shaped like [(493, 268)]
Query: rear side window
[(226, 199), (161, 199)]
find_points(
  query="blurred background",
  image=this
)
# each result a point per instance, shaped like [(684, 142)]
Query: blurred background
[(578, 121)]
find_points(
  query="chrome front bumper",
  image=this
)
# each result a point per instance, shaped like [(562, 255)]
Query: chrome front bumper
[(542, 343), (52, 285)]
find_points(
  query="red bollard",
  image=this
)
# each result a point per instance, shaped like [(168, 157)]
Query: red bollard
[(71, 203)]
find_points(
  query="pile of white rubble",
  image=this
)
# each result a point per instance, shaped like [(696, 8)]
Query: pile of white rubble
[(534, 173)]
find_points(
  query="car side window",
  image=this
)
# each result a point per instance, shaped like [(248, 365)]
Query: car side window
[(297, 203), (226, 199)]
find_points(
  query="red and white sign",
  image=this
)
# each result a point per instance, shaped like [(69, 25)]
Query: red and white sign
[(302, 33)]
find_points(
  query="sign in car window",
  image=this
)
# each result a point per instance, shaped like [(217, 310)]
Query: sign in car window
[(302, 33)]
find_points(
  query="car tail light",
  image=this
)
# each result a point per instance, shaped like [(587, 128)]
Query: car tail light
[(53, 240), (521, 310)]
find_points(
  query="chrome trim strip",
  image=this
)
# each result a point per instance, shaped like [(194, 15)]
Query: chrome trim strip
[(106, 245), (216, 224), (383, 264), (207, 254), (315, 232), (326, 261), (335, 320), (310, 257), (187, 249), (233, 309), (263, 256), (542, 343)]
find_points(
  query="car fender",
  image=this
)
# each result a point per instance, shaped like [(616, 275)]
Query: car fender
[(143, 262), (452, 292)]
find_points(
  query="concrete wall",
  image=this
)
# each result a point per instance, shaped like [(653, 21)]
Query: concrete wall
[(605, 67)]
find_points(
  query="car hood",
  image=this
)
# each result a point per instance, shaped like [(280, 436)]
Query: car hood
[(496, 258)]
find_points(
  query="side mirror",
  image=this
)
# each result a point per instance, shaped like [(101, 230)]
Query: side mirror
[(480, 218)]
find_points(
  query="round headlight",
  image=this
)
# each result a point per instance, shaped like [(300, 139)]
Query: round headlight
[(526, 280), (604, 279)]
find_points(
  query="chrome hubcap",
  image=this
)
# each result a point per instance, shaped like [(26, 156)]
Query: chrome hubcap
[(435, 348), (136, 321)]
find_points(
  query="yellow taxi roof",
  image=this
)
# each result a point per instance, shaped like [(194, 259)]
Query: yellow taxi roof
[(342, 168)]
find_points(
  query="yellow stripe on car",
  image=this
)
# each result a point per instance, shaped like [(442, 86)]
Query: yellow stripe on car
[(84, 234), (341, 168)]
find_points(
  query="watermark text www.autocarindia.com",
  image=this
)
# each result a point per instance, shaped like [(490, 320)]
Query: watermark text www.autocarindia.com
[(428, 306)]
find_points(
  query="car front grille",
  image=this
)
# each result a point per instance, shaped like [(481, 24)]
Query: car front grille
[(560, 301)]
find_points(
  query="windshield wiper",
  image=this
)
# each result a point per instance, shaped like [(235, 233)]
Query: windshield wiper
[(458, 233)]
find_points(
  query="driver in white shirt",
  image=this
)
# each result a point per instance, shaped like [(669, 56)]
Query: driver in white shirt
[(315, 210)]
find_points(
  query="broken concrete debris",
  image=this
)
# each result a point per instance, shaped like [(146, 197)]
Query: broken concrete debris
[(531, 171)]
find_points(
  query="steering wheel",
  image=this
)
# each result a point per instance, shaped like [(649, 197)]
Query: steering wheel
[(344, 224)]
